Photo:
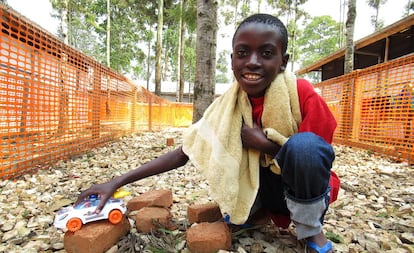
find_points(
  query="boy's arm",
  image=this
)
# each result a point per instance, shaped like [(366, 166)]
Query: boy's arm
[(163, 163), (316, 116)]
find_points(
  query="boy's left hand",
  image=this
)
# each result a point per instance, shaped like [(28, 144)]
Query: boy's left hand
[(254, 138)]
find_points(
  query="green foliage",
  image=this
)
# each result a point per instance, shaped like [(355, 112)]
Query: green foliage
[(190, 58), (375, 21), (319, 39), (133, 26), (234, 11), (222, 67)]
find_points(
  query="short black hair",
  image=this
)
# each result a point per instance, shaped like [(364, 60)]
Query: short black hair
[(261, 18)]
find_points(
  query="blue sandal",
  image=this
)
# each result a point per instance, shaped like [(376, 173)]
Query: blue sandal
[(242, 226), (324, 249)]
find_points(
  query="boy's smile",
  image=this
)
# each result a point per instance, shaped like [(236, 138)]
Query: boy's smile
[(257, 57)]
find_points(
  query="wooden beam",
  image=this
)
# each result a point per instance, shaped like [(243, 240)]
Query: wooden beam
[(387, 47)]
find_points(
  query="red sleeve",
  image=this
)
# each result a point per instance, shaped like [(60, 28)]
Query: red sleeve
[(316, 116)]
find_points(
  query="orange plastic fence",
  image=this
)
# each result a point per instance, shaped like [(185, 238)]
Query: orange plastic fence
[(56, 102), (374, 108)]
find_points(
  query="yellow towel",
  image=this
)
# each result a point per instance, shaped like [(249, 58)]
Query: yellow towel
[(214, 145)]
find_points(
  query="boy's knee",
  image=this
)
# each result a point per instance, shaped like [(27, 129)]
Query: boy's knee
[(308, 149), (308, 142)]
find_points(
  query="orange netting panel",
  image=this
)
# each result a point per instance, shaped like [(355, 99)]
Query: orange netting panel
[(56, 102), (374, 107)]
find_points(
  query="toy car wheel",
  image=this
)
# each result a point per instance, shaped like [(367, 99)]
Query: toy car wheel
[(115, 216), (74, 224)]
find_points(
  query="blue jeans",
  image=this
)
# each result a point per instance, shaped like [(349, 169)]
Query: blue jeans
[(306, 162)]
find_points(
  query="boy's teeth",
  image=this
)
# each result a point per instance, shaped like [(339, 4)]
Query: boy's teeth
[(252, 76)]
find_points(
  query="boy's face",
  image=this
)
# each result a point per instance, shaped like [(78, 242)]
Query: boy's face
[(257, 57)]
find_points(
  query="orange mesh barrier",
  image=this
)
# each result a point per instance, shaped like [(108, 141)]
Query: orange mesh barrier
[(55, 102), (374, 107)]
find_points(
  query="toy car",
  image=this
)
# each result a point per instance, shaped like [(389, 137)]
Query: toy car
[(73, 217)]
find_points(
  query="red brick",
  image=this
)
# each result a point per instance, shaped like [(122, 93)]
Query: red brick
[(208, 237), (208, 212), (159, 198), (170, 141), (95, 237), (146, 216)]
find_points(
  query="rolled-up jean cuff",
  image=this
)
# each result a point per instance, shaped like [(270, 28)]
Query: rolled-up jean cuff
[(307, 216), (326, 195)]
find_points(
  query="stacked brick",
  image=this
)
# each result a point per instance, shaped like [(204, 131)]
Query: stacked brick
[(206, 235)]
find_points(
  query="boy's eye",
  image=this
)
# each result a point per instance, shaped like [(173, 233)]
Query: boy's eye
[(241, 53), (267, 53)]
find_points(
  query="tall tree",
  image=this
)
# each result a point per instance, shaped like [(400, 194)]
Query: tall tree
[(375, 20), (148, 38), (68, 12), (292, 11), (318, 40), (341, 28), (350, 25), (206, 56), (158, 55), (87, 23), (180, 55), (189, 25), (233, 11), (65, 20), (108, 33)]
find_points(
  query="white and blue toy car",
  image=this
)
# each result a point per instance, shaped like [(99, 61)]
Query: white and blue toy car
[(72, 218)]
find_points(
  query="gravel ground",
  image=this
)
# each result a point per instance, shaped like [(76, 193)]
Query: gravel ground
[(374, 211)]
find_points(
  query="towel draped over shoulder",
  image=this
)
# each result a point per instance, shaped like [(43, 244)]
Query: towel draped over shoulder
[(214, 144)]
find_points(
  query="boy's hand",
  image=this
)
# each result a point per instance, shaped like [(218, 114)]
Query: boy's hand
[(255, 138), (105, 191)]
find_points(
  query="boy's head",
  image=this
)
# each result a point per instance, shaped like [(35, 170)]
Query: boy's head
[(269, 20), (259, 52)]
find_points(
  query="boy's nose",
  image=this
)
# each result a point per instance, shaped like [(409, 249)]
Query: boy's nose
[(253, 60)]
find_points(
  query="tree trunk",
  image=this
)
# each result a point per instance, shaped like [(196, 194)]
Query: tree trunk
[(180, 58), (159, 48), (350, 25), (164, 75), (377, 26), (148, 63), (206, 56), (293, 41), (64, 24), (108, 34)]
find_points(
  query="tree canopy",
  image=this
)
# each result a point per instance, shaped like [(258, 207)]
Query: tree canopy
[(134, 28)]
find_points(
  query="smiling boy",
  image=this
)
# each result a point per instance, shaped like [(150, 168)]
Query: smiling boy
[(264, 145)]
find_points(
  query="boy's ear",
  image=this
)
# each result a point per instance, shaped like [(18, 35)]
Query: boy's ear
[(285, 60)]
